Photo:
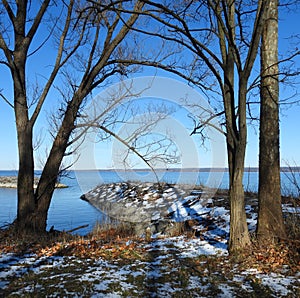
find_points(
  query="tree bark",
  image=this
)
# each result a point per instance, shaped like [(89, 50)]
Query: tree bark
[(270, 220), (16, 61), (51, 171), (239, 237), (25, 190), (26, 202)]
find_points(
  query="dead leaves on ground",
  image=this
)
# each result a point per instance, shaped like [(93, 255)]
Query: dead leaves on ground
[(272, 258), (82, 247)]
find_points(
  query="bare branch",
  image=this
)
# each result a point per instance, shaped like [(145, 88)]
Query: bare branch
[(37, 19), (9, 11), (129, 147), (57, 65), (6, 100), (208, 122)]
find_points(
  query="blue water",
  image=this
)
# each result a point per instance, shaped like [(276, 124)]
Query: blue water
[(68, 211)]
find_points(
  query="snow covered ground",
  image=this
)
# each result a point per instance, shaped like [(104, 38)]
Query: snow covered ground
[(181, 266)]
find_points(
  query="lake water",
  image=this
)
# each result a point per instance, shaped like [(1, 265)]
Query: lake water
[(68, 211)]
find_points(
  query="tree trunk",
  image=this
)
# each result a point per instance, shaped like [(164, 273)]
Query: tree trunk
[(26, 202), (239, 235), (236, 141), (270, 220), (236, 147), (51, 171)]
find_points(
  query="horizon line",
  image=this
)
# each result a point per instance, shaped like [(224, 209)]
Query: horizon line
[(204, 169)]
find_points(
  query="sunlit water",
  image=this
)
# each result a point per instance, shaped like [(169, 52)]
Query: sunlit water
[(68, 211)]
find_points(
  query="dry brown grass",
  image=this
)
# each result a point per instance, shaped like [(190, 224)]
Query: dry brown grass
[(112, 231), (107, 242)]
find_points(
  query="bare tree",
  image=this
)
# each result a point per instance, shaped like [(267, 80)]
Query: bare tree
[(221, 39), (270, 220), (89, 42)]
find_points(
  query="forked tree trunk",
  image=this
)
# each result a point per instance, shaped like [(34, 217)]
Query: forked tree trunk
[(236, 135), (236, 146), (270, 219)]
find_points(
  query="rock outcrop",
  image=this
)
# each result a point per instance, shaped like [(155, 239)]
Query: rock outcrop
[(143, 205)]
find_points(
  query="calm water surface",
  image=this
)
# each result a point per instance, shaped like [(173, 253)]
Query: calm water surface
[(68, 211)]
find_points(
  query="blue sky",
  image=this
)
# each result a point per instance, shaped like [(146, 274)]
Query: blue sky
[(105, 153)]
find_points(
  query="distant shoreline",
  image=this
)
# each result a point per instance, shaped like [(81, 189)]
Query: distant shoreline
[(200, 170), (11, 182)]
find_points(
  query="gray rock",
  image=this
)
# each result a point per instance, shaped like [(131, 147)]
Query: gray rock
[(144, 205)]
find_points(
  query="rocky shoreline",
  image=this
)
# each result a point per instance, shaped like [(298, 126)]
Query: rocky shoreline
[(11, 182), (157, 208), (149, 206)]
